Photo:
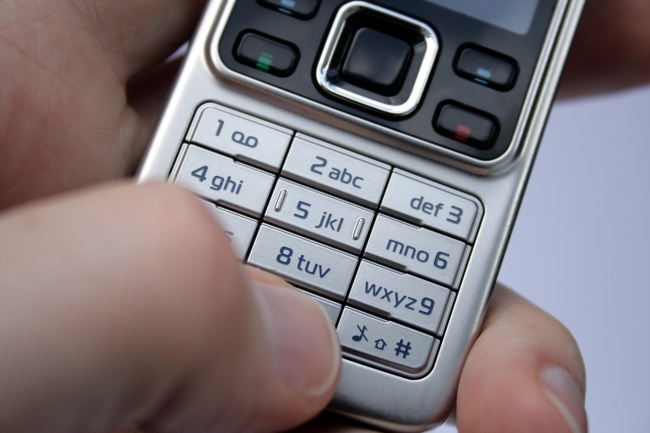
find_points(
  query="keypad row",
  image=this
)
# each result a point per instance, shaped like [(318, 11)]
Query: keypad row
[(322, 232)]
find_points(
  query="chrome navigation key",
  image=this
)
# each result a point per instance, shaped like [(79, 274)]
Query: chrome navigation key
[(403, 297), (239, 228), (319, 215), (336, 170), (432, 205), (243, 137), (303, 262), (418, 251), (386, 342), (224, 181)]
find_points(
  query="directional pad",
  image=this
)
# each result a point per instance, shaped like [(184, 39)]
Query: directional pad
[(377, 62)]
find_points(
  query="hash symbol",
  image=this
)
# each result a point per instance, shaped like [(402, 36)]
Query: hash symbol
[(403, 349)]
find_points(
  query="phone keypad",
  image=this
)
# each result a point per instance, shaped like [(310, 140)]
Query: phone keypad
[(431, 205), (266, 54), (383, 249), (417, 250)]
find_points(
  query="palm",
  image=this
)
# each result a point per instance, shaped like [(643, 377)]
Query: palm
[(65, 118)]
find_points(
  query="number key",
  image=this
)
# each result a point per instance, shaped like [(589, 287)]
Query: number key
[(432, 205), (319, 215), (336, 170), (240, 136), (223, 181)]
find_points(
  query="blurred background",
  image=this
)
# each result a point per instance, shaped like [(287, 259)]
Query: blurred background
[(581, 248)]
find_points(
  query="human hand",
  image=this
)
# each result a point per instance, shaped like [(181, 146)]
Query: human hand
[(123, 306), (121, 329)]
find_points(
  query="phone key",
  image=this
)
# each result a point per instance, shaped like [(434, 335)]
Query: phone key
[(402, 297), (303, 9), (431, 205), (487, 69), (313, 213), (333, 309), (304, 262), (416, 250), (383, 341), (240, 136), (224, 181), (336, 170), (466, 126), (240, 229), (267, 55)]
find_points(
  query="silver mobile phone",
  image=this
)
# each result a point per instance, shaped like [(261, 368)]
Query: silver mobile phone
[(374, 153)]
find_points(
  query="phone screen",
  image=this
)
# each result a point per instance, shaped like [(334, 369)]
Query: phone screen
[(513, 15)]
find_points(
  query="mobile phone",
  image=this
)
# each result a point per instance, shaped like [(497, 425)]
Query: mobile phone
[(373, 153)]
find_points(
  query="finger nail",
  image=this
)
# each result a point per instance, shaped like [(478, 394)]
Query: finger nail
[(305, 349), (565, 395)]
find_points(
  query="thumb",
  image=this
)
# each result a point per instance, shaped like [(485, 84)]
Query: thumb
[(124, 307)]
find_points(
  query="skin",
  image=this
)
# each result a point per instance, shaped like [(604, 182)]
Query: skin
[(112, 318)]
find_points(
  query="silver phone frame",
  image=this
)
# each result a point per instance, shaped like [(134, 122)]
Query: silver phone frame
[(499, 184)]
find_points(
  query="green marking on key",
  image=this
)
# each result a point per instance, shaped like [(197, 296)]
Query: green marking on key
[(264, 62)]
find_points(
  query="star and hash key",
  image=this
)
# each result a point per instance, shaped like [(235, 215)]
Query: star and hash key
[(384, 342)]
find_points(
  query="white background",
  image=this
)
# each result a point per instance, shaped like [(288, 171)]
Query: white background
[(580, 248)]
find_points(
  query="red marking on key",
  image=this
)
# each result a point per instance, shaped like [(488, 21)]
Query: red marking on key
[(463, 133)]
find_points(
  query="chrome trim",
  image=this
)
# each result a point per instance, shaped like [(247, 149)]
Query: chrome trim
[(325, 61)]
